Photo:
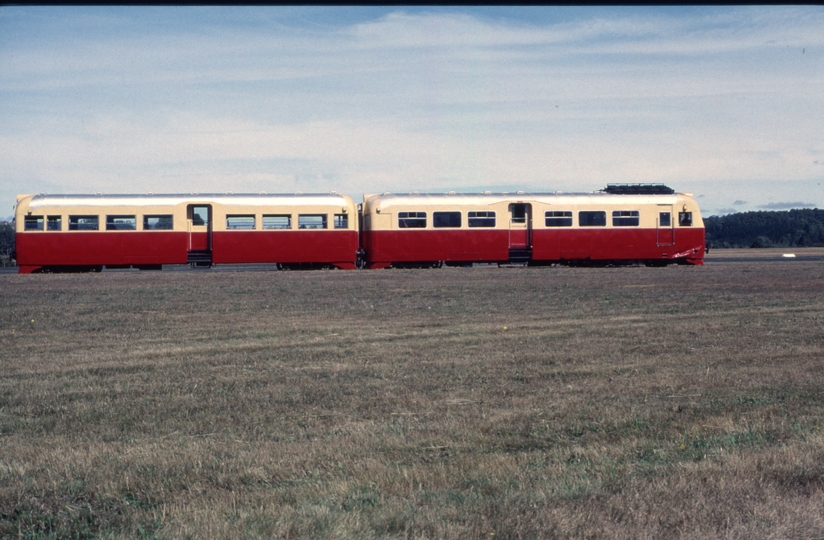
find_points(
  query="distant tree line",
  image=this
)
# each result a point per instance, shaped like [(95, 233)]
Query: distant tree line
[(794, 228), (6, 243)]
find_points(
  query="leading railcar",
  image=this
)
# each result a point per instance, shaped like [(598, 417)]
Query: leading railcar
[(87, 232), (622, 224)]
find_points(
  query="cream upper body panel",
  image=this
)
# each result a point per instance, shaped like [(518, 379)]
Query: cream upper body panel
[(380, 206), (175, 205)]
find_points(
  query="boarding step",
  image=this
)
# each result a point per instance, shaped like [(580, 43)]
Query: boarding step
[(520, 255), (200, 258)]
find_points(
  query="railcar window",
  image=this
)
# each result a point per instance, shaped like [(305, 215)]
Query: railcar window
[(121, 223), (277, 221), (158, 223), (84, 223), (446, 219), (412, 220), (558, 218), (481, 219), (592, 218), (33, 223), (625, 218), (341, 221), (55, 223), (685, 219), (664, 219), (244, 222), (312, 221)]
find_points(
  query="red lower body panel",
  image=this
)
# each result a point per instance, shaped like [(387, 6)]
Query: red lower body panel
[(38, 249), (557, 245), (338, 248), (410, 246), (90, 249), (618, 245)]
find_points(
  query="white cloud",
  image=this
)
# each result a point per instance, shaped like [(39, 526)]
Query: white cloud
[(414, 100)]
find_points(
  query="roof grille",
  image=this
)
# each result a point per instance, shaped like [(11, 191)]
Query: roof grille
[(638, 189)]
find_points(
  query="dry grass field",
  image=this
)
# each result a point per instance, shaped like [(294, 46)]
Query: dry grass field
[(634, 402)]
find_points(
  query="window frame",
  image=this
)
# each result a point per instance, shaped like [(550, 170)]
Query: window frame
[(412, 220), (111, 225), (38, 221), (626, 218), (309, 226), (267, 219), (51, 220), (242, 223), (592, 213), (161, 219), (481, 219), (75, 225), (446, 219), (558, 219), (340, 221)]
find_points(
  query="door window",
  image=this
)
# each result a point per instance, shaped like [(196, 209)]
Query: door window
[(199, 214), (518, 212)]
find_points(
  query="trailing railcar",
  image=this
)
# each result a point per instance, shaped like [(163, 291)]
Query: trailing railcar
[(87, 232), (622, 224)]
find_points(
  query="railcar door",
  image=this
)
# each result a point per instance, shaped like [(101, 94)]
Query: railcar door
[(520, 226), (664, 234), (199, 217)]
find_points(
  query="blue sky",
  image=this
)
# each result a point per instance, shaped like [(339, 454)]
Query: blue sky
[(723, 102)]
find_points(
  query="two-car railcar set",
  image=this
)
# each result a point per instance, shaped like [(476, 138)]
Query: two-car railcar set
[(622, 224)]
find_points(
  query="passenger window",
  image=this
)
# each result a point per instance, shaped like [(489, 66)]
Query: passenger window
[(33, 223), (558, 218), (312, 221), (121, 223), (412, 220), (592, 219), (341, 221), (55, 223), (625, 218), (664, 219), (158, 223), (685, 219), (446, 219), (84, 223), (277, 221), (481, 219), (245, 222)]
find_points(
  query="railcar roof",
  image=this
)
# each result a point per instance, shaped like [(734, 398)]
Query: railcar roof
[(598, 197), (171, 199)]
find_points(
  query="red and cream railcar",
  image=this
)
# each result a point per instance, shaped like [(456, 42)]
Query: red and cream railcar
[(87, 232), (621, 224)]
